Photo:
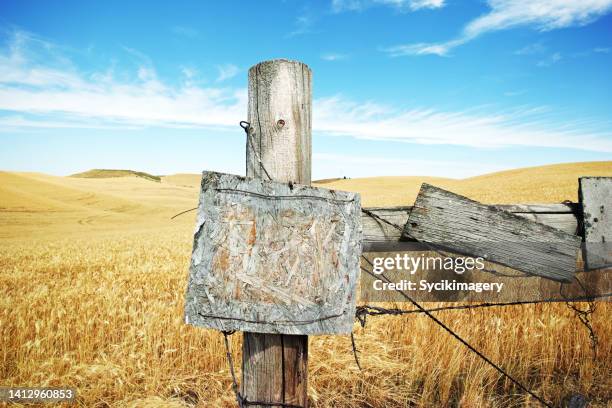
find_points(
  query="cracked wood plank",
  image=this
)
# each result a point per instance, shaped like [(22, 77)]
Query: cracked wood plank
[(468, 227), (272, 257), (379, 236)]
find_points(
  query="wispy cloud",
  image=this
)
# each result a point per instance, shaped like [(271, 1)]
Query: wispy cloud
[(589, 52), (227, 71), (531, 49), (40, 87), (425, 4), (478, 127), (303, 25), (551, 60), (542, 15), (333, 57), (440, 50), (38, 82), (401, 5)]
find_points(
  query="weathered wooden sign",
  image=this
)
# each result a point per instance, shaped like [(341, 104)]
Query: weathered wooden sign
[(596, 197), (465, 226), (273, 257)]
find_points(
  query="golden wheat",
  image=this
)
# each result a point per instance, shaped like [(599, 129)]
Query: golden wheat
[(92, 277)]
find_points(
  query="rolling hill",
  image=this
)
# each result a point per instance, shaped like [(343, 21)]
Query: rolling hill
[(35, 204), (107, 173)]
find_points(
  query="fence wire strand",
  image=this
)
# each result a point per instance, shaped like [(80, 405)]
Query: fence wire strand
[(363, 311), (465, 343), (583, 315), (247, 129), (369, 310)]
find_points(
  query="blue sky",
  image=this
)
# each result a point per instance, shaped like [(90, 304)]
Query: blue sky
[(400, 87)]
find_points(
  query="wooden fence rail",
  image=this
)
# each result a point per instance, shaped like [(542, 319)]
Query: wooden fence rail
[(379, 236)]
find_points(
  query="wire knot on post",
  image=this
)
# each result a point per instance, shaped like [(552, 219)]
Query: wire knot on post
[(247, 129)]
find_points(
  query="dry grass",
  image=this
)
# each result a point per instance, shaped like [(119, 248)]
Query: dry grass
[(92, 276)]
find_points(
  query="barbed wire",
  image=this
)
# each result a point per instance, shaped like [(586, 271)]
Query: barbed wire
[(246, 126), (583, 315), (464, 342), (368, 310)]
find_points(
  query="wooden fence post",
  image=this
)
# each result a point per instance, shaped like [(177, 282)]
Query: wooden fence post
[(279, 144)]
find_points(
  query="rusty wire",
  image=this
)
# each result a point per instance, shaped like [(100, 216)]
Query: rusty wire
[(368, 310), (465, 343), (247, 129), (583, 315)]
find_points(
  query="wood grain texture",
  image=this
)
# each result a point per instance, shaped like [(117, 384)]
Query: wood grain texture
[(379, 236), (274, 258), (280, 113), (262, 367), (595, 194), (468, 227), (279, 138)]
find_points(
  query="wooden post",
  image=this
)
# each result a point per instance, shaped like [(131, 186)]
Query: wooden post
[(595, 194), (279, 144)]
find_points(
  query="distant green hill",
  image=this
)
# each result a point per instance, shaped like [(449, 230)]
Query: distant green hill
[(106, 173)]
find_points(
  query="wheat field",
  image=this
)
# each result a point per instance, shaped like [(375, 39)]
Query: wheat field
[(93, 272)]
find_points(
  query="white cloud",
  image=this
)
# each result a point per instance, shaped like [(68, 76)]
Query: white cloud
[(428, 4), (440, 50), (478, 127), (35, 79), (303, 25), (39, 87), (551, 60), (191, 76), (333, 57), (602, 50), (531, 49), (543, 15), (227, 71), (402, 5)]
